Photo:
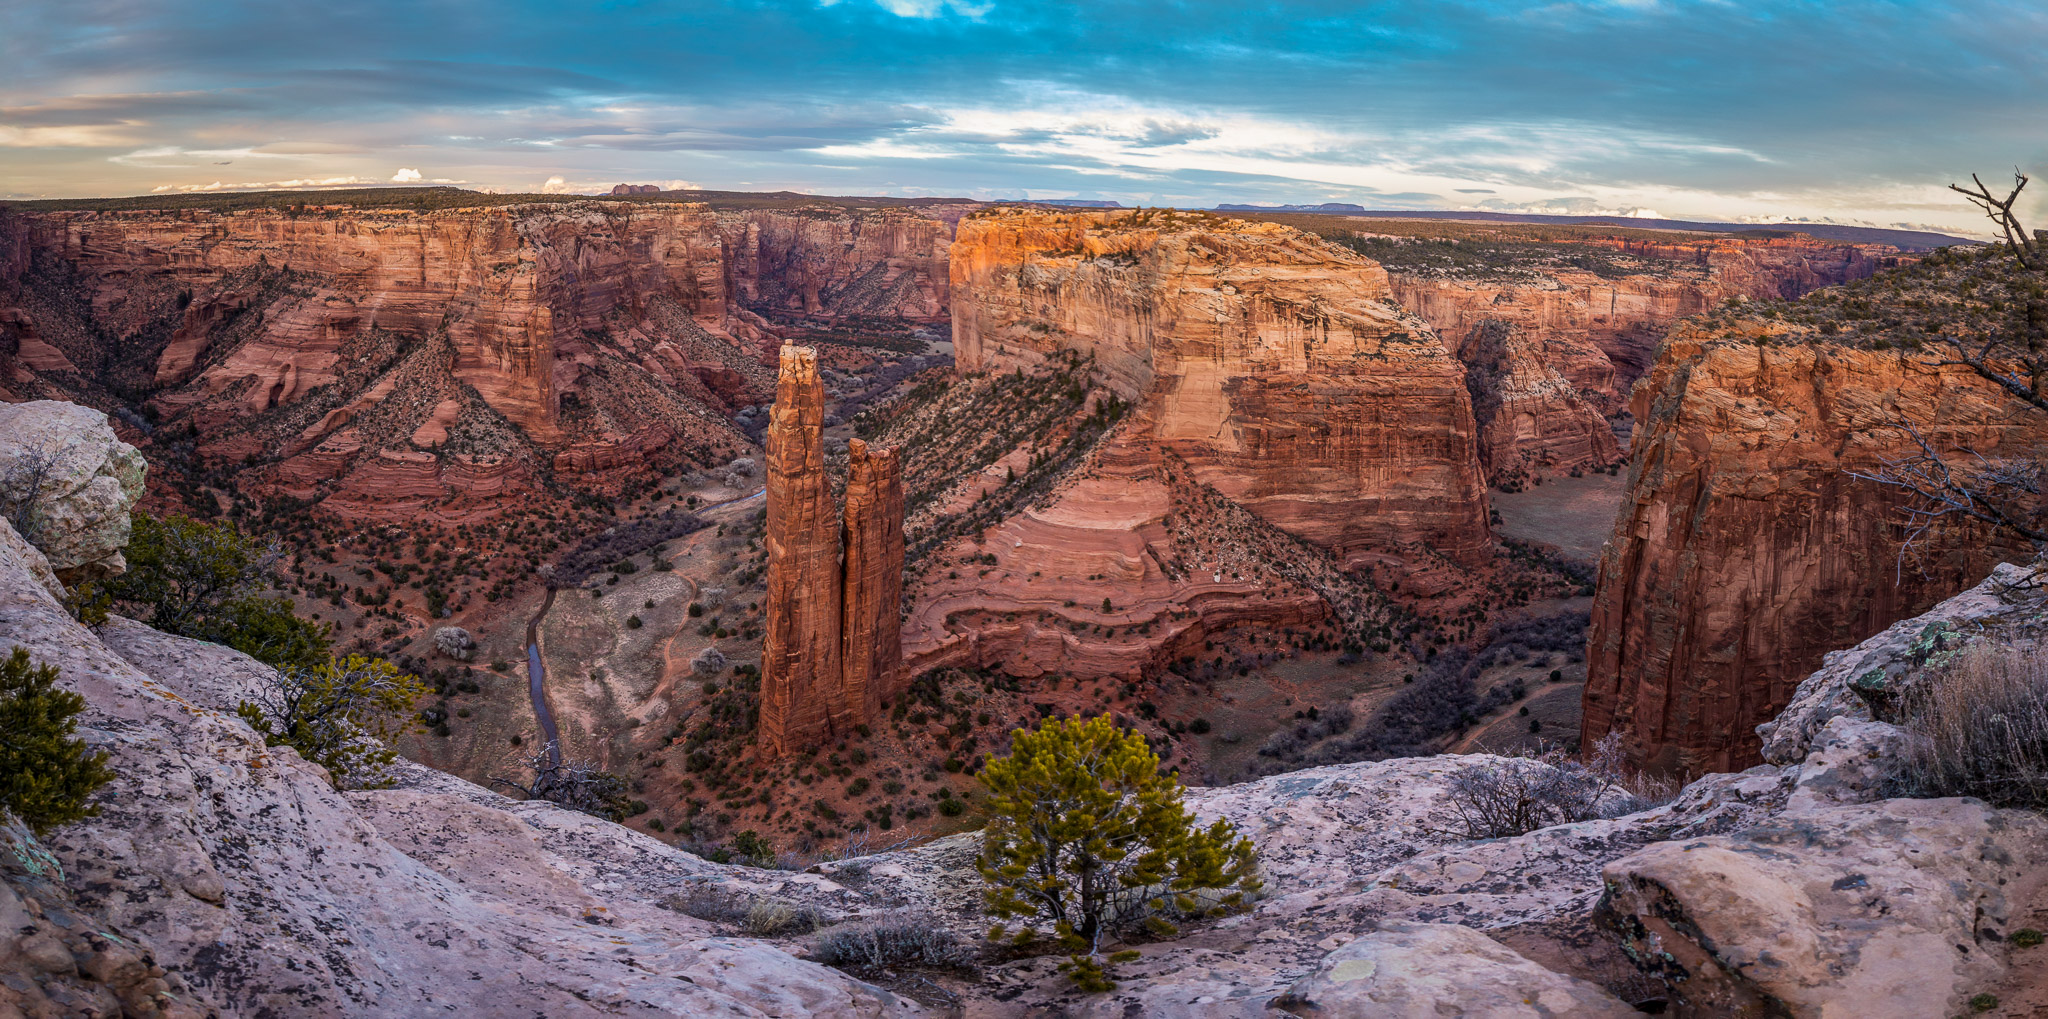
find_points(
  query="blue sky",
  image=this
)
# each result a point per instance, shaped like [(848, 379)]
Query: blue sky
[(1689, 108)]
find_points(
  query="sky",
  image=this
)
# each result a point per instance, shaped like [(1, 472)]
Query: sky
[(1743, 110)]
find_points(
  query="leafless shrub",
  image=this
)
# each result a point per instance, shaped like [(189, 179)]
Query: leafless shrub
[(573, 784), (23, 482), (712, 597), (1521, 794), (1980, 728), (899, 940), (709, 662), (455, 642)]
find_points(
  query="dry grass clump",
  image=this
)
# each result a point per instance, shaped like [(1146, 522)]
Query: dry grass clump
[(756, 915), (1980, 727), (896, 941)]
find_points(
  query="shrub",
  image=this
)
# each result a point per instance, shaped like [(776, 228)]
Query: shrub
[(759, 916), (338, 715), (1980, 727), (1087, 836), (892, 942), (1521, 794), (201, 581), (633, 622), (46, 774), (455, 642)]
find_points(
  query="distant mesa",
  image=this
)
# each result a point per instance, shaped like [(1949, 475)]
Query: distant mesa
[(636, 189), (1336, 207), (1080, 203)]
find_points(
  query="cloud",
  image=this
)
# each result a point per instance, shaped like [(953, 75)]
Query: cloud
[(934, 8), (297, 184), (1694, 107), (405, 175)]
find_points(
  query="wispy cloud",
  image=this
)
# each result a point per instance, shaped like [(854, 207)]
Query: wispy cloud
[(1690, 107)]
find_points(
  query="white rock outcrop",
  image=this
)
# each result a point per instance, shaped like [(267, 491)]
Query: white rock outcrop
[(69, 482), (269, 893)]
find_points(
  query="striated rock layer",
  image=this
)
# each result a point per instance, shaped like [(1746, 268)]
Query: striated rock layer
[(1745, 550), (1276, 366), (358, 352), (1574, 340), (801, 692), (884, 263)]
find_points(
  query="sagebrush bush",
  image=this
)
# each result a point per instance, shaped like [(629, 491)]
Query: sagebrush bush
[(891, 942), (1980, 727)]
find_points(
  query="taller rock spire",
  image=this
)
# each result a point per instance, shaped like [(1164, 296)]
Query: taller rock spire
[(834, 644), (801, 690)]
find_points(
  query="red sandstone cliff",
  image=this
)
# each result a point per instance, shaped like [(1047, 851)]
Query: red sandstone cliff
[(1275, 365), (885, 263), (1576, 340), (387, 361), (1744, 552)]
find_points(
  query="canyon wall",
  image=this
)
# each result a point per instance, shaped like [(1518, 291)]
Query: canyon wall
[(1558, 347), (1276, 366), (1745, 551), (879, 264), (390, 361), (833, 649)]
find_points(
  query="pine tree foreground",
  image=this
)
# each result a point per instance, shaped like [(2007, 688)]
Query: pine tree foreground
[(46, 775), (1086, 835)]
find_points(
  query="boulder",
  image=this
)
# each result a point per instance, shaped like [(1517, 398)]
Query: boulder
[(1441, 971), (1893, 908), (68, 483)]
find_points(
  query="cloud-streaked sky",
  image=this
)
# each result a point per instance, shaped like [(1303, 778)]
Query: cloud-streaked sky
[(1725, 109)]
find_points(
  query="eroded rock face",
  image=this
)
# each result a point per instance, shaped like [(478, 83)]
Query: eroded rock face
[(1275, 365), (70, 482), (871, 628), (237, 867), (1745, 550), (888, 263), (1530, 415), (56, 962), (801, 692), (1577, 340), (389, 362), (1889, 908)]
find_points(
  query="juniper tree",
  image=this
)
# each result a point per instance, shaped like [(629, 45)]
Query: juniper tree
[(46, 775), (1088, 837)]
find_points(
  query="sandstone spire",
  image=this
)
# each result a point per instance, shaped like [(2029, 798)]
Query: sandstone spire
[(835, 646), (802, 692), (871, 647)]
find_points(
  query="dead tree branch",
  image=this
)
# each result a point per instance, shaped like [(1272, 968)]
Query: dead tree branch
[(2024, 247)]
